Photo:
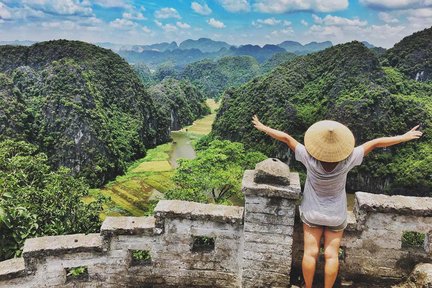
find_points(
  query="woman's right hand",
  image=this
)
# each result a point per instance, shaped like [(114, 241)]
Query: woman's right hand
[(258, 125), (412, 134)]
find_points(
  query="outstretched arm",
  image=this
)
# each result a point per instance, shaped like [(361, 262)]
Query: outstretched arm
[(389, 141), (278, 135)]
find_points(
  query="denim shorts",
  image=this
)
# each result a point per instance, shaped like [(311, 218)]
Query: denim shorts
[(332, 228)]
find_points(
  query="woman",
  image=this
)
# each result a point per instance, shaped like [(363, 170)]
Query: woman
[(328, 155)]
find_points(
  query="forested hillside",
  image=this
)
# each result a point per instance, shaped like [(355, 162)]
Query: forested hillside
[(178, 103), (213, 77), (80, 104), (346, 83), (413, 55)]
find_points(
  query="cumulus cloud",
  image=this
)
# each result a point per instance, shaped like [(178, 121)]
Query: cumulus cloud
[(330, 20), (64, 7), (109, 3), (146, 29), (387, 18), (203, 9), (133, 15), (215, 23), (4, 12), (166, 27), (304, 22), (235, 5), (269, 21), (166, 13), (282, 6), (122, 24), (396, 4), (183, 25)]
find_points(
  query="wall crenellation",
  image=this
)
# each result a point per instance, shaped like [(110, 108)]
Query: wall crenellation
[(187, 244)]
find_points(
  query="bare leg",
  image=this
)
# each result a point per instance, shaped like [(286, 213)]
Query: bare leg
[(312, 237), (332, 241)]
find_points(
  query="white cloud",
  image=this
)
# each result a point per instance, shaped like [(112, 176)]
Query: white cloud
[(330, 20), (133, 15), (269, 21), (64, 7), (64, 25), (166, 27), (215, 23), (146, 29), (122, 24), (282, 6), (304, 22), (166, 13), (282, 32), (4, 12), (203, 9), (396, 4), (111, 3), (183, 25), (235, 5), (387, 18)]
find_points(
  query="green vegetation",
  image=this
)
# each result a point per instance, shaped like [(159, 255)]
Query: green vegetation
[(36, 200), (85, 107), (76, 273), (215, 174), (413, 239), (178, 103), (413, 55), (213, 77), (140, 257), (345, 83)]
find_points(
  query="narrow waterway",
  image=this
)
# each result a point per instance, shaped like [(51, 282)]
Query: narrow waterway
[(181, 147)]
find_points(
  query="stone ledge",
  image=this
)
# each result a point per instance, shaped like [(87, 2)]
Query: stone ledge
[(352, 222), (12, 268), (199, 211), (128, 226), (401, 205), (250, 188), (56, 245)]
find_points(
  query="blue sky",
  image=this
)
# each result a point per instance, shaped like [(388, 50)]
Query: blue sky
[(381, 22)]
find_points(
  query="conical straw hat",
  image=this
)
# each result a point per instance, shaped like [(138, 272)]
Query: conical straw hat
[(329, 141)]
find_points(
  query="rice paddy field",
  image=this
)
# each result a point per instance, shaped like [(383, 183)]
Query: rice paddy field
[(146, 180)]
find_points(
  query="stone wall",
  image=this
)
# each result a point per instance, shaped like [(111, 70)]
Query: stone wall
[(205, 245)]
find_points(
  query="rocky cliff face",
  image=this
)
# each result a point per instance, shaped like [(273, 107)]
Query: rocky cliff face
[(413, 55), (82, 105)]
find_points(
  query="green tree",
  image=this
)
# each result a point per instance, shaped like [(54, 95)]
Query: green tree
[(215, 174), (36, 200)]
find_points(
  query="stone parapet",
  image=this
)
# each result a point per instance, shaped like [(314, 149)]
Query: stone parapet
[(402, 205), (55, 245), (128, 226), (198, 211), (187, 244)]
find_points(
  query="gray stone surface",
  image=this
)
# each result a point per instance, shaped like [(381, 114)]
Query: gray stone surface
[(48, 245), (417, 206), (12, 268), (421, 277), (199, 211), (272, 171), (250, 188), (128, 226), (428, 243)]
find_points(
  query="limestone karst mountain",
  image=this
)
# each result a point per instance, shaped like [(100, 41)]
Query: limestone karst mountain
[(349, 84)]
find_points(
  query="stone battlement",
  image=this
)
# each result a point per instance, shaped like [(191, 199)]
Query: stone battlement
[(187, 244)]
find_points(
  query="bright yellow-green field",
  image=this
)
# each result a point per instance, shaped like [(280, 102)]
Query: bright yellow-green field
[(130, 193)]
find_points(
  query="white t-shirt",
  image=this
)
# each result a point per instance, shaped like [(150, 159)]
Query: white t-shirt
[(324, 198)]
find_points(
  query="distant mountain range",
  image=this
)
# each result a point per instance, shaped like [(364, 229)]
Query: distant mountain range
[(190, 51)]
